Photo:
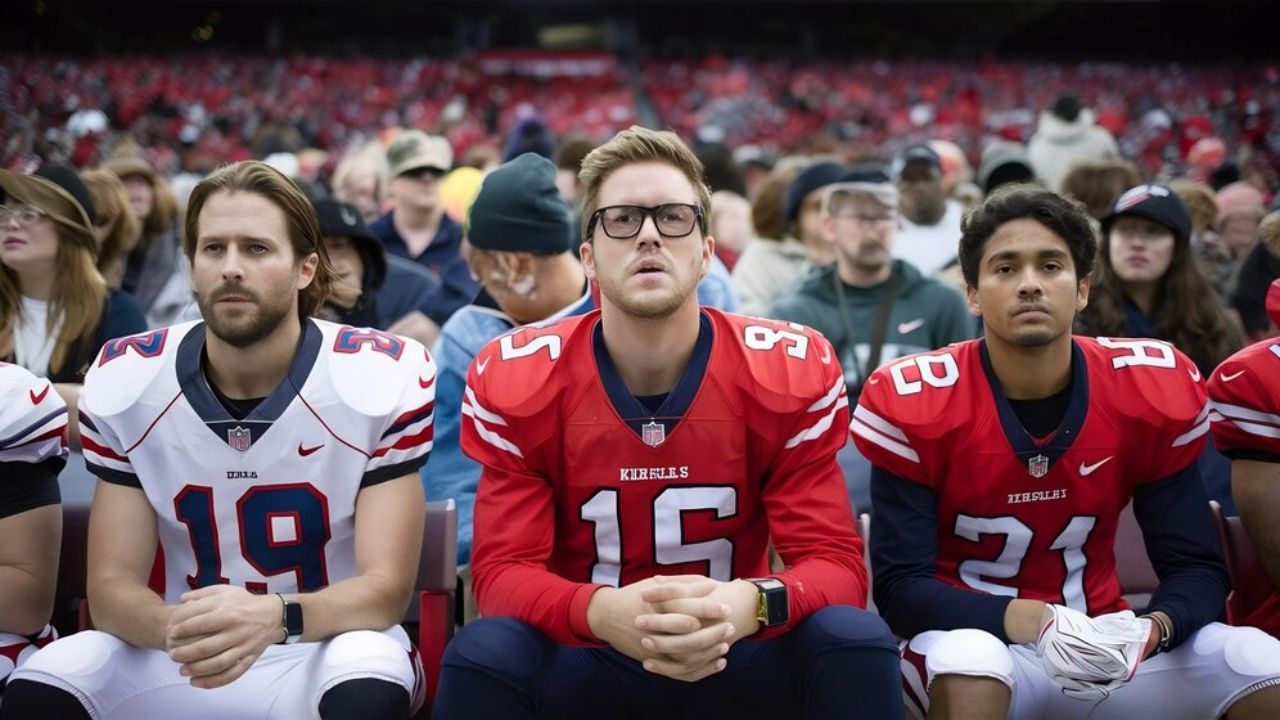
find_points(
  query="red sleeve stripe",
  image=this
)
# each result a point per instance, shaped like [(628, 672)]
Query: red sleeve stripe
[(410, 418), (58, 432), (88, 444), (408, 441)]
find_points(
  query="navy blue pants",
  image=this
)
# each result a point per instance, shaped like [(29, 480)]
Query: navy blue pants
[(839, 662)]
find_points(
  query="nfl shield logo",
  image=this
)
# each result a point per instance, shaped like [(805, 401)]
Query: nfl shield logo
[(1038, 466), (239, 438), (653, 433)]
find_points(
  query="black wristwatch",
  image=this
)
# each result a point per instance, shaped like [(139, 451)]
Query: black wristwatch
[(291, 623), (774, 608)]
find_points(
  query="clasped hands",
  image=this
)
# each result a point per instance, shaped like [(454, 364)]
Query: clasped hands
[(680, 626), (219, 631)]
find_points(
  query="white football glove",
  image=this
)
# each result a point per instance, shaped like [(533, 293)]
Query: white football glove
[(1089, 657)]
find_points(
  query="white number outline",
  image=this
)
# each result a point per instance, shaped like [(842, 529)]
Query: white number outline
[(925, 364), (1163, 357), (509, 350), (1018, 537), (764, 338), (667, 529)]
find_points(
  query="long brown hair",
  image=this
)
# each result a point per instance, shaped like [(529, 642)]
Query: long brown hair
[(78, 298), (1187, 311), (111, 203), (255, 177)]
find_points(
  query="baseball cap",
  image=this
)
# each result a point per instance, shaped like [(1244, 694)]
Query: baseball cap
[(867, 178), (814, 177), (1156, 203), (414, 149), (916, 153), (340, 219)]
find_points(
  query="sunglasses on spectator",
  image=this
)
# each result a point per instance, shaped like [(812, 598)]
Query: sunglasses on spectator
[(623, 222), (26, 215), (423, 173)]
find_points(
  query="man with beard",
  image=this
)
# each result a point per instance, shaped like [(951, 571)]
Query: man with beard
[(273, 458), (1001, 467), (874, 309), (638, 461)]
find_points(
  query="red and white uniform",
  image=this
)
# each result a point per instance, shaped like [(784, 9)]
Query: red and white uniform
[(1245, 395), (266, 502), (1020, 520), (33, 449), (584, 487), (1036, 518)]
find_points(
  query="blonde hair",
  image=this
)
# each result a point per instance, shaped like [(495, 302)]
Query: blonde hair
[(111, 203), (638, 145), (1200, 201), (252, 176), (370, 158), (79, 296)]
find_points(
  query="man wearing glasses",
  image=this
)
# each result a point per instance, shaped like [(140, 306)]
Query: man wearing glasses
[(637, 463), (873, 308)]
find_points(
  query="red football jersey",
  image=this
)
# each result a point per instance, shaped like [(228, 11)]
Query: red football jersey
[(1031, 518), (583, 486), (1244, 393)]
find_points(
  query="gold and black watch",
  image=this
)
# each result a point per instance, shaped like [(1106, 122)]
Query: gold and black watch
[(773, 608)]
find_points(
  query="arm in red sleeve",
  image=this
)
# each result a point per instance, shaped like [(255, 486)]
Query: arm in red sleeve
[(811, 522), (514, 535)]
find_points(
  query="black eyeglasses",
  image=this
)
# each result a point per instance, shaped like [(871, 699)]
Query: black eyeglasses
[(623, 222)]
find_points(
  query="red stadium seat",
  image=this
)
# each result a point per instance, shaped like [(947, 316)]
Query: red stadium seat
[(1250, 584), (433, 609)]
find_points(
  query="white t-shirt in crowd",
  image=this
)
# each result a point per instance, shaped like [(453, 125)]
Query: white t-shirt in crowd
[(32, 342), (930, 247)]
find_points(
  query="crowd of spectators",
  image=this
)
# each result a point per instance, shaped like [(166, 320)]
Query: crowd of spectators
[(195, 111)]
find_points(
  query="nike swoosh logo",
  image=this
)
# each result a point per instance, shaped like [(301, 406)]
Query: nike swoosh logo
[(873, 381), (37, 399), (1195, 374), (1088, 469), (481, 365), (1228, 378), (305, 451), (906, 327), (425, 383)]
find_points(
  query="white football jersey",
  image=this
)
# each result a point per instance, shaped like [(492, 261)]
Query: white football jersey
[(33, 418), (267, 502)]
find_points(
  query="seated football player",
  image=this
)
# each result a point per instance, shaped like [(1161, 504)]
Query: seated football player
[(274, 459), (520, 240), (1245, 395), (1000, 469), (637, 462), (33, 449)]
